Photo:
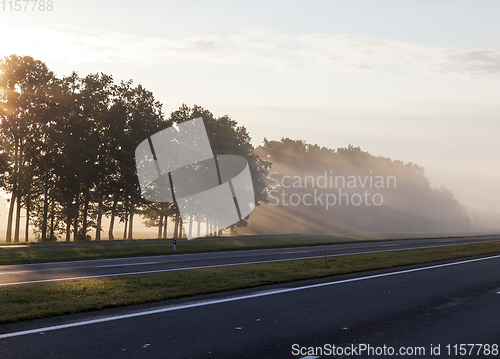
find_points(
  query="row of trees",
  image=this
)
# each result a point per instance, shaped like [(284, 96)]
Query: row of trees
[(67, 150), (67, 159)]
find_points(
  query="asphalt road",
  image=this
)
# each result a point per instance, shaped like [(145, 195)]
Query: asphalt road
[(47, 272), (408, 309)]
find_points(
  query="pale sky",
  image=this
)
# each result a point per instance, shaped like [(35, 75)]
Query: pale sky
[(416, 81)]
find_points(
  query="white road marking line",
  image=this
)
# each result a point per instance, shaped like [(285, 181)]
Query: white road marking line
[(234, 299), (216, 266), (124, 265), (293, 252)]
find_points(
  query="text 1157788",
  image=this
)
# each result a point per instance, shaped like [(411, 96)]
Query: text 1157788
[(27, 5)]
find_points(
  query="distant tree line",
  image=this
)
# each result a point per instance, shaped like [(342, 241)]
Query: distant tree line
[(412, 205), (67, 151)]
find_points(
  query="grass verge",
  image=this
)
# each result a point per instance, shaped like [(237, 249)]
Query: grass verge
[(41, 300)]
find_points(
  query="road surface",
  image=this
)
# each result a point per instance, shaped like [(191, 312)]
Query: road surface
[(47, 272), (412, 308)]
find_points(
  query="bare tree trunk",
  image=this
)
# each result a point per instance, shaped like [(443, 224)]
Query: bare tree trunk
[(126, 227), (176, 228), (52, 217), (69, 215), (130, 224), (190, 230), (199, 227), (180, 226), (68, 227), (165, 227), (19, 159), (111, 237), (75, 220), (18, 217), (84, 219), (45, 212), (29, 178), (27, 224), (8, 237), (160, 227), (99, 220)]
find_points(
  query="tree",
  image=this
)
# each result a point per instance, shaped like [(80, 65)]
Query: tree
[(27, 104), (144, 117)]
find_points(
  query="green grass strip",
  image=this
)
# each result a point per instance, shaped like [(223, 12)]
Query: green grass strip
[(31, 301)]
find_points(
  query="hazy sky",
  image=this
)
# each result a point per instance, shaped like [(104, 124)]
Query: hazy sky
[(416, 81)]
